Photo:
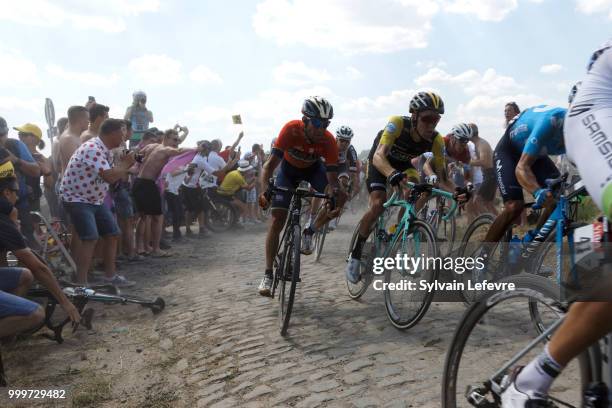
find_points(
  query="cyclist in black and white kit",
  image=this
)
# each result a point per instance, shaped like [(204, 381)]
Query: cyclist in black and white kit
[(588, 141)]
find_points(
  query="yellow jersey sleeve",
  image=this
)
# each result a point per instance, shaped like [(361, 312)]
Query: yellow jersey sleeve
[(392, 131), (439, 162)]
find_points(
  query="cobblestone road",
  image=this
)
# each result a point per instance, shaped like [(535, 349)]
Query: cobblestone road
[(339, 352)]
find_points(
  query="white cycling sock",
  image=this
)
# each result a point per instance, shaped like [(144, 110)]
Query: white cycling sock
[(536, 377)]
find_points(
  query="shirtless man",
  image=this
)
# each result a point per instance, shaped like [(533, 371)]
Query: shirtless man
[(97, 114), (68, 142), (483, 199), (147, 196)]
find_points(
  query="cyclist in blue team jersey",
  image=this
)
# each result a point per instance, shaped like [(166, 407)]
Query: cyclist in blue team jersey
[(522, 161), (588, 138)]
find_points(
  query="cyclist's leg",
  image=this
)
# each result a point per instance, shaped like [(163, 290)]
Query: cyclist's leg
[(544, 168), (280, 206), (512, 193)]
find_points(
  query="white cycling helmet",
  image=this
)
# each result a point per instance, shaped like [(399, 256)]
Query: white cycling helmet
[(317, 107), (462, 132), (344, 132)]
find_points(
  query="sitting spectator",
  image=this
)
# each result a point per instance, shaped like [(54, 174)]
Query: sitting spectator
[(25, 166), (84, 187), (243, 178), (97, 114), (191, 191), (16, 313)]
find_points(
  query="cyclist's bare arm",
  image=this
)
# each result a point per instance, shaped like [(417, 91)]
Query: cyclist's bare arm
[(525, 175), (268, 168), (380, 160)]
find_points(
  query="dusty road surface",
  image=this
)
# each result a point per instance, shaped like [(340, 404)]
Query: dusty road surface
[(217, 343)]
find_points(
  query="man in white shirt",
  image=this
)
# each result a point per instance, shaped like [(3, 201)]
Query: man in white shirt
[(202, 166)]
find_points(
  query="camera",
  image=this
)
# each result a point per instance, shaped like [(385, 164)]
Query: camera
[(139, 157)]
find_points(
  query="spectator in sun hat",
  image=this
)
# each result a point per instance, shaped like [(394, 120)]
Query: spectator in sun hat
[(31, 136), (241, 178)]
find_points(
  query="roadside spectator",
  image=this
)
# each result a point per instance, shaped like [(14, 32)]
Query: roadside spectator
[(31, 136), (172, 183), (84, 187), (139, 116), (242, 178), (68, 142), (51, 185), (124, 208), (70, 139), (98, 113), (25, 166), (510, 111), (230, 151), (146, 194), (16, 313)]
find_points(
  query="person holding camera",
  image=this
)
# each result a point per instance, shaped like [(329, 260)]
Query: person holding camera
[(146, 194), (139, 116)]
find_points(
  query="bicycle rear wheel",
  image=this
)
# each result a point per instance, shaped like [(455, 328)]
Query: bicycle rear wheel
[(220, 218), (491, 333), (406, 306), (356, 290), (290, 273), (470, 246)]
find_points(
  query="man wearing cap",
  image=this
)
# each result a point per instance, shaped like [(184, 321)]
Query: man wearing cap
[(243, 177), (98, 113), (31, 136), (25, 166)]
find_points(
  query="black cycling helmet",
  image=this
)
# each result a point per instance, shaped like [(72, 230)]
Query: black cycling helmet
[(423, 101), (317, 107)]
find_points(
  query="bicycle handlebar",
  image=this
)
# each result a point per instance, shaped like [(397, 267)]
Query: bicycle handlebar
[(424, 187)]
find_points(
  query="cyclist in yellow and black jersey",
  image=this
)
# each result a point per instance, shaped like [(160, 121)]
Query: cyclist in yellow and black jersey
[(403, 139)]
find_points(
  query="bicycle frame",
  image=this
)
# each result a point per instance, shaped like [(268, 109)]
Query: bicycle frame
[(409, 215)]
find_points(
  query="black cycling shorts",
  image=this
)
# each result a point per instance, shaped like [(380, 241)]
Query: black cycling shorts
[(488, 187), (506, 159)]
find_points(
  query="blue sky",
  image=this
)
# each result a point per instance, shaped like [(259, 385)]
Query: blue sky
[(202, 61)]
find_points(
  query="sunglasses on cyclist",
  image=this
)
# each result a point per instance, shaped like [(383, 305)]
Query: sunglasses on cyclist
[(430, 119), (319, 123)]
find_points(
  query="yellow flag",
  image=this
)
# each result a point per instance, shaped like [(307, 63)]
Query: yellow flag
[(236, 120)]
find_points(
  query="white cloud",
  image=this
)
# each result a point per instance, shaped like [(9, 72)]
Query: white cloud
[(156, 69), (297, 73), (595, 6), (551, 68), (208, 114), (11, 103), (103, 15), (383, 103), (350, 26), (204, 75), (471, 81), (487, 10), (16, 70), (87, 78), (353, 73)]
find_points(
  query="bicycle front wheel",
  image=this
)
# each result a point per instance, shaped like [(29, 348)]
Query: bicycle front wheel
[(495, 330), (405, 302), (289, 278)]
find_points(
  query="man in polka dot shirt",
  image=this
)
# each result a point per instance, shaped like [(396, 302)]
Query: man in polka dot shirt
[(84, 186)]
